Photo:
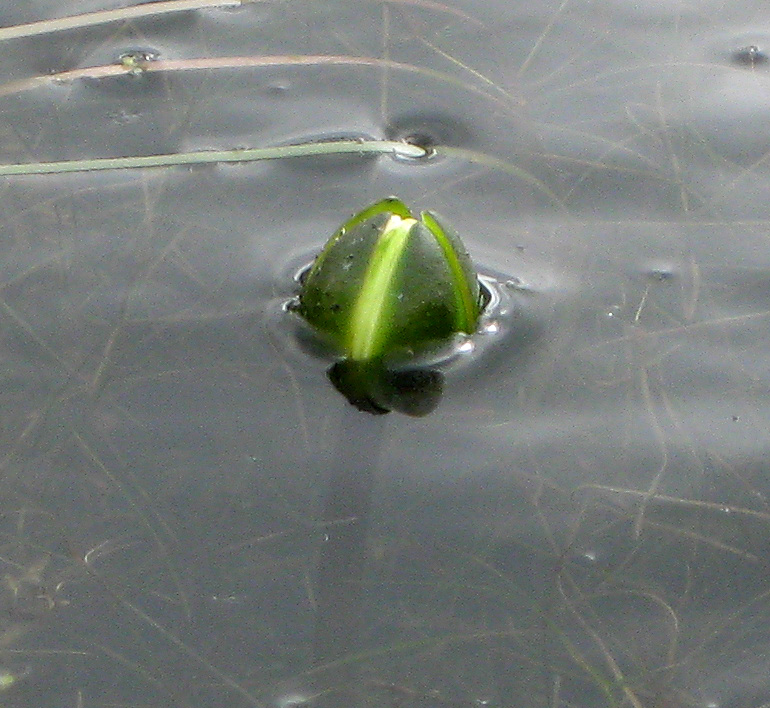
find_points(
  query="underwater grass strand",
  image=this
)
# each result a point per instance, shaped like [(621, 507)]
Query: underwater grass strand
[(496, 163), (202, 157)]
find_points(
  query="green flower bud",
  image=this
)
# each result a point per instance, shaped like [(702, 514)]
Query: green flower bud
[(391, 285), (387, 287)]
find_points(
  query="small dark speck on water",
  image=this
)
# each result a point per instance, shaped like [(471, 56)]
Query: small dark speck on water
[(660, 275), (750, 56)]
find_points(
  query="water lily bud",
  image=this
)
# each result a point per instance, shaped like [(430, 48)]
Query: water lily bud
[(389, 285)]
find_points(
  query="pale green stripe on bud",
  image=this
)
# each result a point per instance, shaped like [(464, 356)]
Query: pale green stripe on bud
[(370, 320)]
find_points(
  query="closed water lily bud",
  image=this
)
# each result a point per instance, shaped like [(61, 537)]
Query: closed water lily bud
[(387, 287), (389, 284)]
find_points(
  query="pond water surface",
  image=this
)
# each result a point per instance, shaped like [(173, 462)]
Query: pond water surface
[(583, 521)]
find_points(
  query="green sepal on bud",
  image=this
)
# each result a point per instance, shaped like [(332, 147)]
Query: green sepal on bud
[(387, 287)]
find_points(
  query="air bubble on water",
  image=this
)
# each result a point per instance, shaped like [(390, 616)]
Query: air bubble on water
[(412, 150), (277, 88), (423, 132), (518, 285)]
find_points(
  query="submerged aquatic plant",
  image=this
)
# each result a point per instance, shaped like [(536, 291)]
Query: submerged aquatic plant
[(387, 288)]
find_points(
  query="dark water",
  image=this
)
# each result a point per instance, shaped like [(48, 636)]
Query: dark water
[(584, 521)]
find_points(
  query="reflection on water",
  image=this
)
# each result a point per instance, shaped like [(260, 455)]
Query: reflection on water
[(584, 520)]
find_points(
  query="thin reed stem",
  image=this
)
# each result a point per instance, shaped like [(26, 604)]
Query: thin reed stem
[(202, 157)]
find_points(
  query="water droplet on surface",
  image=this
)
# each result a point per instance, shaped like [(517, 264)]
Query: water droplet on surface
[(414, 150), (661, 274), (277, 88), (228, 599), (749, 56), (136, 81), (124, 117), (659, 271), (518, 285), (135, 60)]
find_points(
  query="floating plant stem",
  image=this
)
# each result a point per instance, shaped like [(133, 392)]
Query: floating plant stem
[(202, 157), (332, 147)]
